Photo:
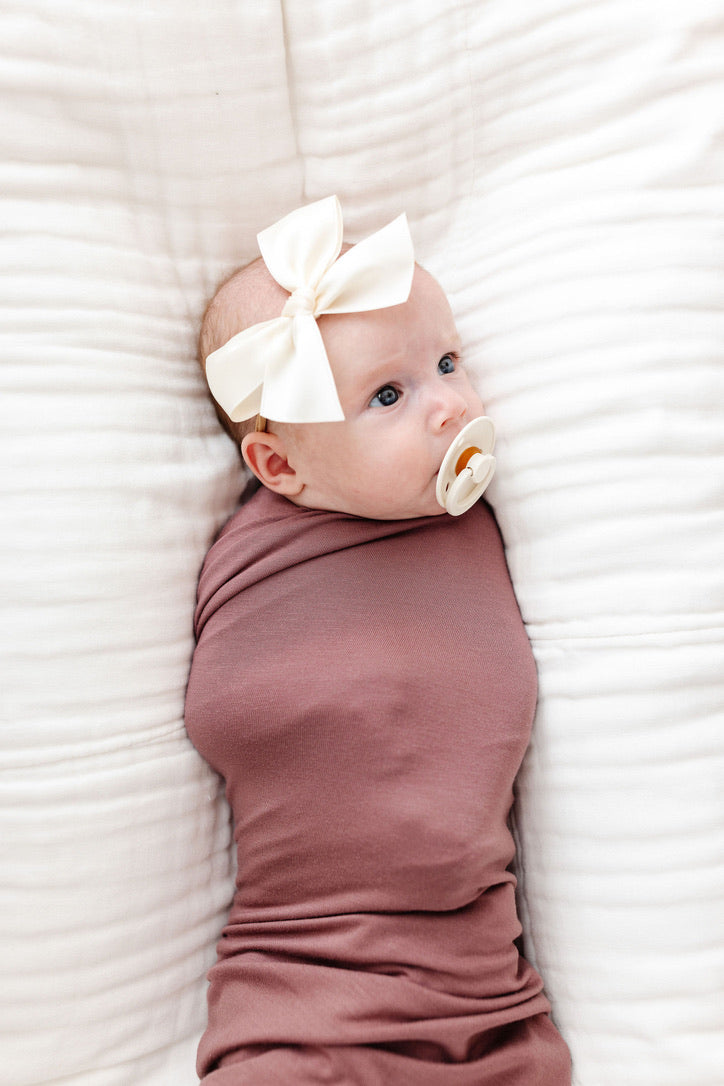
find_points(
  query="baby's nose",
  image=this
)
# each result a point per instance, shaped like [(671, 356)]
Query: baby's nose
[(448, 406)]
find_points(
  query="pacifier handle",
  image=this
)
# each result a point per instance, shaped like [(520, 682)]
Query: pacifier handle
[(467, 467)]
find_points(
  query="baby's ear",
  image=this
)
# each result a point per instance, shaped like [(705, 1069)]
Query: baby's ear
[(265, 454)]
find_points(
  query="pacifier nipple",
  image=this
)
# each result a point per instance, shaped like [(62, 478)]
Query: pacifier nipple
[(467, 467)]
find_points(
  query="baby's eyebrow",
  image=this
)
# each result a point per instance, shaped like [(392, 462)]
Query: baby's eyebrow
[(380, 371)]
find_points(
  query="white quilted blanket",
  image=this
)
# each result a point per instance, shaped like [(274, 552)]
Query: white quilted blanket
[(562, 166)]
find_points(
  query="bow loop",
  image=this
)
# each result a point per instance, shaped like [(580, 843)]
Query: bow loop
[(280, 368)]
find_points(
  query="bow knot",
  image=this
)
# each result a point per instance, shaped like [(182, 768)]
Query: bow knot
[(279, 368), (302, 302)]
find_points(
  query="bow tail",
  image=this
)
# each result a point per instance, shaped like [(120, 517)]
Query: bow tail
[(298, 385), (235, 373)]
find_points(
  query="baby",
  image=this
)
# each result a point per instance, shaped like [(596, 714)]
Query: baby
[(363, 682)]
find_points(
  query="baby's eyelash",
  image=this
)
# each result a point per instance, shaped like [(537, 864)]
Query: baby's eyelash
[(448, 363), (386, 395)]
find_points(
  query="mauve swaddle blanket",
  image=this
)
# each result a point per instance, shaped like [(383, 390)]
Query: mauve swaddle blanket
[(366, 689)]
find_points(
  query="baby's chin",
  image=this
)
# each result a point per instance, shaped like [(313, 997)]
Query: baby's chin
[(397, 511), (398, 506)]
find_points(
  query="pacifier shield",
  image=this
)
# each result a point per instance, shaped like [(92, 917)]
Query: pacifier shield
[(467, 467)]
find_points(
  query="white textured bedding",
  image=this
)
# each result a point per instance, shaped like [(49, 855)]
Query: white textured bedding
[(562, 166)]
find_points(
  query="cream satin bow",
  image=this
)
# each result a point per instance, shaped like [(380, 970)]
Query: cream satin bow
[(279, 369)]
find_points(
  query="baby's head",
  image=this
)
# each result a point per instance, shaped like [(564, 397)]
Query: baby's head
[(402, 397)]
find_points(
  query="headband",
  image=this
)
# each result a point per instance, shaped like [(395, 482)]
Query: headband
[(279, 369)]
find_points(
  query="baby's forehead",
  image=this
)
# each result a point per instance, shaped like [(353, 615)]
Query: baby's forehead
[(361, 343)]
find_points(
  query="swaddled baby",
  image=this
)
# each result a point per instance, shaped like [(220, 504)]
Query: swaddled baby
[(363, 682)]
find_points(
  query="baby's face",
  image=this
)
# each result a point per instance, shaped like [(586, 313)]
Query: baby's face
[(405, 396)]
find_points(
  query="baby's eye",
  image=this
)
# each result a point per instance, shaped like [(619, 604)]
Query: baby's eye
[(446, 364), (385, 397)]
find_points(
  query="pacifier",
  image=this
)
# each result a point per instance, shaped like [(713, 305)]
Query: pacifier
[(467, 467)]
